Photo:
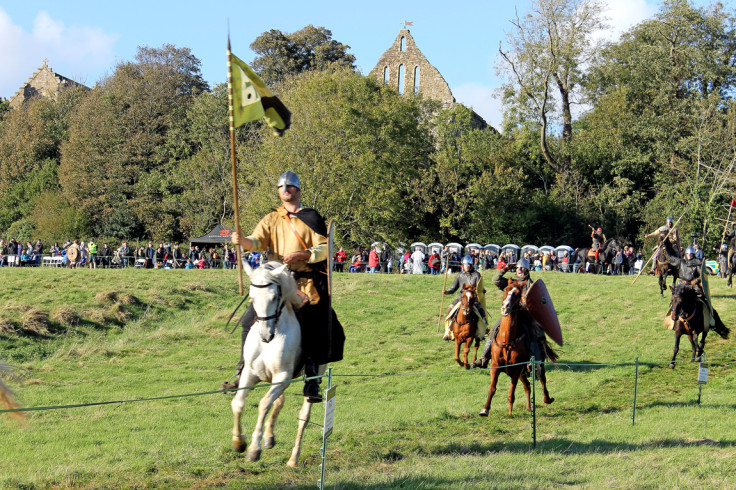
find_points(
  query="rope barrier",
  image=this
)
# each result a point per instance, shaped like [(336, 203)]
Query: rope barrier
[(380, 375)]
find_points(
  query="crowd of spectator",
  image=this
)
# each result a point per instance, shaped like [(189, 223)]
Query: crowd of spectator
[(80, 254)]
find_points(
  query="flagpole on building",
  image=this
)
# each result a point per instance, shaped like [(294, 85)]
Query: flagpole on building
[(231, 116)]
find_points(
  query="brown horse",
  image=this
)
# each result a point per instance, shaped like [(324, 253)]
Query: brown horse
[(663, 267), (465, 325), (6, 396), (510, 351), (687, 315)]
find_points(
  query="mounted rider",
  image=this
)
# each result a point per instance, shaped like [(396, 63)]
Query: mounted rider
[(730, 239), (690, 269), (534, 331), (598, 239), (298, 237), (467, 277), (671, 233)]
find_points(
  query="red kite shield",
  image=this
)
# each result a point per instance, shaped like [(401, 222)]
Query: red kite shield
[(540, 307)]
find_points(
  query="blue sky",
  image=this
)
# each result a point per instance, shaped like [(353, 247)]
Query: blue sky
[(85, 40)]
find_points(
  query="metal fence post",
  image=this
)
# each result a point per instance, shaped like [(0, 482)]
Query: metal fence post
[(324, 439), (534, 404), (636, 383)]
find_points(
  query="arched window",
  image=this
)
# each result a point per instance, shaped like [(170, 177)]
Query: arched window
[(401, 79), (403, 44), (416, 79), (385, 74)]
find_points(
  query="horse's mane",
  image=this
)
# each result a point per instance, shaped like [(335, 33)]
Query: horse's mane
[(288, 284), (683, 290)]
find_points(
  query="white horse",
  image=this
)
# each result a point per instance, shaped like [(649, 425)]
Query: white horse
[(271, 353)]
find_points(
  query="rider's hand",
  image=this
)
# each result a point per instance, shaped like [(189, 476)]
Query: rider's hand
[(292, 257), (303, 296)]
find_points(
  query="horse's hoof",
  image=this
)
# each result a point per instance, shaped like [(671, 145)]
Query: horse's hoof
[(447, 338), (239, 444), (672, 366), (467, 366), (549, 400), (483, 413), (269, 442), (253, 455), (291, 463)]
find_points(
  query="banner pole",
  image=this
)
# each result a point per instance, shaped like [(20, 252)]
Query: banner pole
[(725, 227), (236, 209), (444, 287)]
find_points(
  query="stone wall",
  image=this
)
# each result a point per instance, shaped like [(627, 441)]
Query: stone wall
[(404, 52), (43, 83)]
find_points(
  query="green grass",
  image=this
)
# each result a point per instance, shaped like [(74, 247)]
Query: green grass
[(137, 334)]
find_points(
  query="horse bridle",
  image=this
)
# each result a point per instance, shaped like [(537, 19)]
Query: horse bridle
[(280, 308)]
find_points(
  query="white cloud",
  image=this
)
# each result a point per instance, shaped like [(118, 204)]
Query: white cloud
[(621, 15), (78, 52), (481, 99)]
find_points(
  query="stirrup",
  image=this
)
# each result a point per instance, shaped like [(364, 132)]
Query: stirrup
[(231, 388)]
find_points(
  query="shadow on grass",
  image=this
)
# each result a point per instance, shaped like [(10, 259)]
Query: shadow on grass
[(567, 446), (694, 403)]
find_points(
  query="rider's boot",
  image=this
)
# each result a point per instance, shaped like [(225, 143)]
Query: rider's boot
[(311, 386), (231, 385), (448, 333)]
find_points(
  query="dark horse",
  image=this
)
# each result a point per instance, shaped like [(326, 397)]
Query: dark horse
[(607, 251), (465, 326), (510, 352), (687, 314), (731, 265), (663, 266)]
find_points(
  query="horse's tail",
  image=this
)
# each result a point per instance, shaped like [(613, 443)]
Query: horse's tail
[(719, 326), (550, 353)]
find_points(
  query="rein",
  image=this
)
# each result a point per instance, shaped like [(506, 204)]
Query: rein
[(276, 315)]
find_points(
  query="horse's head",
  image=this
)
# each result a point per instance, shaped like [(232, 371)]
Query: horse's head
[(271, 289), (683, 296), (468, 298), (512, 297)]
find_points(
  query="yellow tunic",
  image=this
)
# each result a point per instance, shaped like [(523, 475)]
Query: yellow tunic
[(274, 232)]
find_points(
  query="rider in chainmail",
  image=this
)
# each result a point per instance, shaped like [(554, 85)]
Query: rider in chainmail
[(534, 333)]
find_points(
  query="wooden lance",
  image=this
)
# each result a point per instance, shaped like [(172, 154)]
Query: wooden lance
[(444, 288)]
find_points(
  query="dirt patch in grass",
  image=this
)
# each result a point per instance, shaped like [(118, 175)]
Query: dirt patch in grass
[(6, 326), (106, 296), (65, 316), (128, 299), (120, 314), (35, 322)]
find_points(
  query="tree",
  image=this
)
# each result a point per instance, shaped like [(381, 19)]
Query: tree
[(548, 49), (358, 148), (120, 138), (280, 55)]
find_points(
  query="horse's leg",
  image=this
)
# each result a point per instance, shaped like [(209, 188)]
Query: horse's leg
[(678, 334), (269, 440), (514, 379), (466, 351), (702, 345), (246, 379), (527, 389), (543, 379), (477, 344), (304, 414), (491, 390), (457, 350), (264, 406), (662, 282)]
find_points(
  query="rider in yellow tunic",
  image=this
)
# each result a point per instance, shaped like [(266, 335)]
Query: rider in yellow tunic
[(298, 237)]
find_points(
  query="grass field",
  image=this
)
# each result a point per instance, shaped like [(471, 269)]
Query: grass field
[(86, 336)]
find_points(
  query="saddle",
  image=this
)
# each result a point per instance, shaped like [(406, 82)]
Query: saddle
[(480, 329), (594, 254)]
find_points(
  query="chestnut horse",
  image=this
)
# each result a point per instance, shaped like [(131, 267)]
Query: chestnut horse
[(687, 313), (510, 351), (465, 325)]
